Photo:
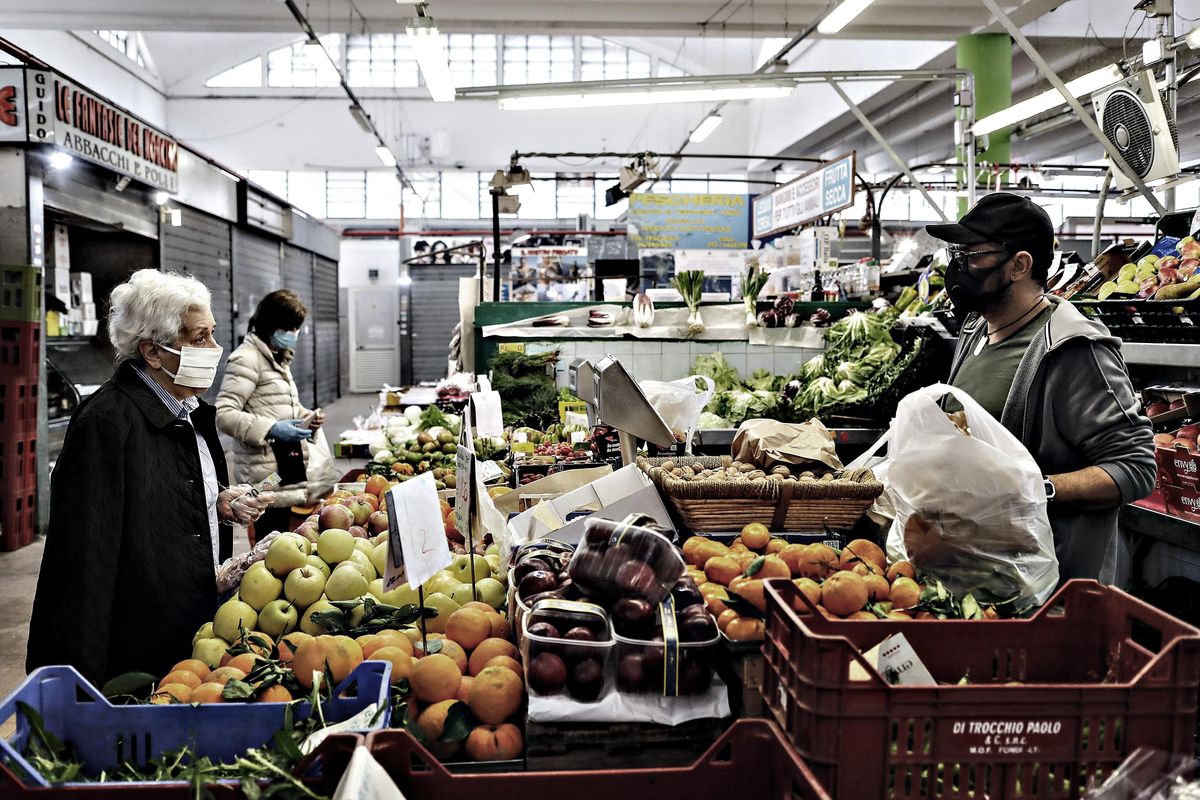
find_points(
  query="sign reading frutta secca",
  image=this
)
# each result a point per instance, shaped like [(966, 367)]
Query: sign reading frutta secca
[(48, 108)]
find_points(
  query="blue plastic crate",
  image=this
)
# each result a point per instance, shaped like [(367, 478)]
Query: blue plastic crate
[(105, 735)]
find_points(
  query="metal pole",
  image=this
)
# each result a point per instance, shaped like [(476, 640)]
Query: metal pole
[(495, 245), (1084, 116), (969, 139), (878, 137), (1167, 31), (1100, 214)]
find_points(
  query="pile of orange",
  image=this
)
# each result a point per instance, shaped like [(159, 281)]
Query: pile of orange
[(842, 584)]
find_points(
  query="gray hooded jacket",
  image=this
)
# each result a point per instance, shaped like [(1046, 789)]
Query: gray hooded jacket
[(1072, 405)]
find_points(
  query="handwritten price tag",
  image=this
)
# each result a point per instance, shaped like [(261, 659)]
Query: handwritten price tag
[(417, 546)]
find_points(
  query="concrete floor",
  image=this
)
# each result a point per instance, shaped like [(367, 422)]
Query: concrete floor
[(20, 568)]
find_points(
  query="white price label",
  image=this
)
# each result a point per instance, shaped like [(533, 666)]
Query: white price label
[(488, 419), (417, 546), (577, 437), (464, 467)]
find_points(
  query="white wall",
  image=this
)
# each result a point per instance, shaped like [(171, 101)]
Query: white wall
[(361, 255), (85, 58)]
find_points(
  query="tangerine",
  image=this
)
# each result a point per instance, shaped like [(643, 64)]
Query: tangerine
[(432, 721), (818, 562), (773, 567), (434, 679), (793, 556), (878, 588), (727, 616), (402, 662), (188, 679), (905, 593), (755, 536), (194, 666), (223, 675), (495, 742), (745, 629), (751, 590), (489, 649), (810, 589), (468, 627), (275, 694), (722, 569), (496, 694), (844, 593), (170, 693), (508, 662), (863, 550), (901, 569), (208, 693), (775, 546)]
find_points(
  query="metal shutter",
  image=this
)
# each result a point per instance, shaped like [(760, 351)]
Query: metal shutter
[(257, 273), (201, 248), (298, 276), (433, 311), (327, 317)]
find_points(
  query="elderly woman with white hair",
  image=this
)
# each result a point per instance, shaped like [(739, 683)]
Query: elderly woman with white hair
[(140, 515)]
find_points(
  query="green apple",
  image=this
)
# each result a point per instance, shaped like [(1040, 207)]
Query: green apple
[(259, 587), (277, 618), (364, 546), (306, 622), (204, 632), (314, 560), (363, 562), (492, 592), (210, 651), (442, 581), (492, 549), (380, 538), (346, 583), (444, 605), (494, 563), (286, 553), (304, 586), (233, 615), (461, 568), (335, 545), (403, 595), (379, 558), (375, 588), (463, 594)]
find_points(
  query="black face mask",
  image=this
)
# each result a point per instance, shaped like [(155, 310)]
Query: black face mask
[(966, 286)]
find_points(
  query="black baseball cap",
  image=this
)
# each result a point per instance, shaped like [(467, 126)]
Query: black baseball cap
[(1015, 221)]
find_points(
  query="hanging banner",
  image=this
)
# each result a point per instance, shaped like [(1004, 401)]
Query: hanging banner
[(689, 221), (13, 113), (815, 194)]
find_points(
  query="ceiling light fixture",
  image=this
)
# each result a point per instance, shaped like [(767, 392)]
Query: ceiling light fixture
[(705, 128), (161, 198), (516, 177), (60, 159), (385, 155), (430, 52), (841, 16), (1047, 100), (361, 117), (641, 95), (315, 50), (1193, 38)]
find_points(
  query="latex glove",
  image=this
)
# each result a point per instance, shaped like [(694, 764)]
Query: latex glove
[(237, 504), (289, 430)]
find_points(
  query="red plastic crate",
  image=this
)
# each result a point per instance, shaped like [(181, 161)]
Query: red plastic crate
[(750, 760), (1182, 500), (20, 349), (1059, 732)]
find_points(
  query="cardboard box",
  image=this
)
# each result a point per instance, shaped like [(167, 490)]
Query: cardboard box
[(87, 311), (90, 327), (81, 288), (614, 497), (58, 284), (1177, 465), (1182, 501)]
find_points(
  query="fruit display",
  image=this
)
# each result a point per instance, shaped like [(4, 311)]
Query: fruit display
[(630, 558), (669, 650), (1174, 275), (567, 646), (416, 443)]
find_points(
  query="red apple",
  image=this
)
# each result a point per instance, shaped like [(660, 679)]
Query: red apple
[(378, 523), (1177, 404), (335, 516), (359, 532), (1157, 407), (309, 530), (1189, 432), (1186, 444)]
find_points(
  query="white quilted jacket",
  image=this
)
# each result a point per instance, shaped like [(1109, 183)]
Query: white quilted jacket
[(256, 393)]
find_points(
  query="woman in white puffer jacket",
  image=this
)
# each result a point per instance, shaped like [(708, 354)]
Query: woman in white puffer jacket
[(259, 407)]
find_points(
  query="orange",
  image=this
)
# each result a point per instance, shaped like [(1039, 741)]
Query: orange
[(365, 641), (188, 679), (690, 546), (193, 665), (745, 559), (744, 629), (865, 568), (489, 649), (905, 593), (450, 648), (864, 550), (495, 742), (275, 694), (901, 569), (714, 602), (738, 547), (479, 605), (727, 616), (434, 678), (708, 549), (810, 589), (223, 675), (775, 546), (244, 662), (844, 593), (376, 485), (432, 721), (924, 615), (819, 561), (172, 692), (877, 588), (751, 590), (402, 662), (290, 642), (208, 693), (722, 569), (508, 662), (736, 541), (793, 556), (464, 689), (468, 627), (773, 567), (340, 654), (500, 629), (867, 615), (496, 694), (712, 588), (755, 536), (390, 638)]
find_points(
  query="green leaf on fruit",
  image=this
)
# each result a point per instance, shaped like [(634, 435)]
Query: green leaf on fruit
[(237, 691), (127, 683), (459, 723), (430, 646), (755, 566), (742, 606)]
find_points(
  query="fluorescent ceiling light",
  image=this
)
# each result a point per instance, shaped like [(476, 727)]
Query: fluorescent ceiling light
[(60, 160), (841, 16), (161, 198), (698, 93), (430, 52), (315, 50), (705, 128), (1047, 100), (385, 155), (361, 117)]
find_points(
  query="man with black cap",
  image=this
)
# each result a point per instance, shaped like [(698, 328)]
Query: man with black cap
[(1054, 378)]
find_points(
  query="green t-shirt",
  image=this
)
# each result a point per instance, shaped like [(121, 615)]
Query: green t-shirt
[(988, 375)]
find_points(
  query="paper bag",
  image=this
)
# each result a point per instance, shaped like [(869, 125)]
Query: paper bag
[(767, 442)]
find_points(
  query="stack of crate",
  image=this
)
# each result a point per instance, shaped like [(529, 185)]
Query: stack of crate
[(20, 356)]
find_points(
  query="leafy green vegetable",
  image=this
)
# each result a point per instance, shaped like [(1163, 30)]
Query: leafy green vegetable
[(765, 380), (723, 375), (526, 386)]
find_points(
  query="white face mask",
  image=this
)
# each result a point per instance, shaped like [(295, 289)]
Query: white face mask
[(197, 366)]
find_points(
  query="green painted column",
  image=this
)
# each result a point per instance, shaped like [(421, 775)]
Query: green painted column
[(989, 58)]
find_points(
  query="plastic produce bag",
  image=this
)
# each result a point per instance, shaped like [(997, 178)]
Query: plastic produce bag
[(680, 402), (970, 509)]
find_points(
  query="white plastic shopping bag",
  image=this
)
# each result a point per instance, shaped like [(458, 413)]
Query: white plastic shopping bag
[(969, 509), (680, 402)]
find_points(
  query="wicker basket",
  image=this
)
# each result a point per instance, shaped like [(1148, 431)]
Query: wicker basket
[(718, 505)]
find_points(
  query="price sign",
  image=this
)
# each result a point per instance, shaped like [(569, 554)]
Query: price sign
[(465, 467), (488, 419), (417, 546)]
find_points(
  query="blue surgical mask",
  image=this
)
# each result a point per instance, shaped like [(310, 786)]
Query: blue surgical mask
[(284, 340)]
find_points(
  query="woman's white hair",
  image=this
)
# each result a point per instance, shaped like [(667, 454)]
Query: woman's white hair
[(151, 305)]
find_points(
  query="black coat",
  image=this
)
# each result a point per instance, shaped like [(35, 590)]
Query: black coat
[(127, 574)]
